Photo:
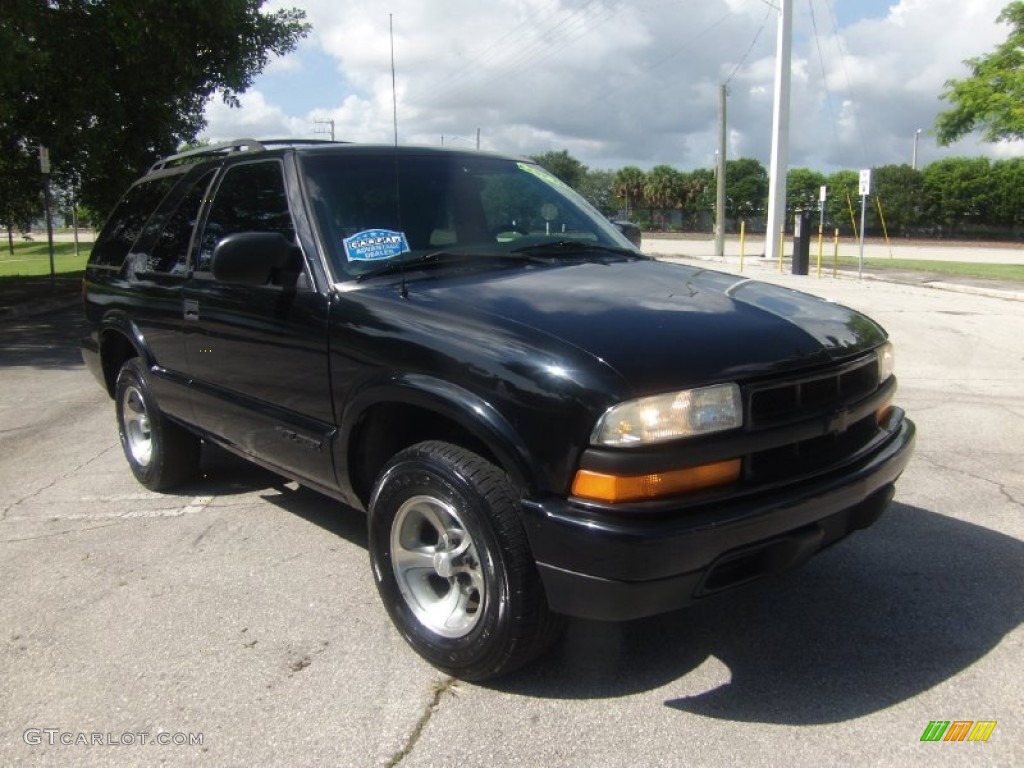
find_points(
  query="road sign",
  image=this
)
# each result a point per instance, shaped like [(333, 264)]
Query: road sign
[(865, 182)]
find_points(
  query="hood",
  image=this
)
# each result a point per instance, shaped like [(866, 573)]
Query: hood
[(661, 326)]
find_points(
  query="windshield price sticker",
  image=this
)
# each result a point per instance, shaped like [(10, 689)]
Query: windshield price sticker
[(544, 174), (375, 245)]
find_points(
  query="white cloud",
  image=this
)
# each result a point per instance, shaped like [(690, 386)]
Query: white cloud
[(256, 119), (618, 83)]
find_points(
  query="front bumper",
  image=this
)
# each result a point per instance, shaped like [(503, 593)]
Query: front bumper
[(614, 567)]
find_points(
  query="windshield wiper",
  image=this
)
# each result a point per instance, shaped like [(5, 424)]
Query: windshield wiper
[(434, 257), (574, 247), (450, 257)]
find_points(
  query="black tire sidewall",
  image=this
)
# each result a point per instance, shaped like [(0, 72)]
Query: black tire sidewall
[(132, 375), (427, 475)]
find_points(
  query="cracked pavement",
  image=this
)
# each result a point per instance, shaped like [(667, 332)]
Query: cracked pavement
[(242, 608)]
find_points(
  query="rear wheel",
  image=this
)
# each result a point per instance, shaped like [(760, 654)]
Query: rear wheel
[(161, 454), (453, 565)]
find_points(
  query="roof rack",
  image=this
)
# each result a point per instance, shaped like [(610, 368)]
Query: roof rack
[(225, 148), (298, 142), (229, 147)]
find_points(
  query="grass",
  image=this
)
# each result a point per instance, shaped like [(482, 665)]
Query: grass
[(33, 258), (1014, 272)]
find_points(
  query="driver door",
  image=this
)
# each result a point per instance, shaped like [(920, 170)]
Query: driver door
[(257, 355)]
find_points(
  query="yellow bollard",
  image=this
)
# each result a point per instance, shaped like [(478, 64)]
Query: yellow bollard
[(835, 255), (743, 242)]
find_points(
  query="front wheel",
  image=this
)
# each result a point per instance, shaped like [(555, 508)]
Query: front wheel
[(453, 565), (161, 454)]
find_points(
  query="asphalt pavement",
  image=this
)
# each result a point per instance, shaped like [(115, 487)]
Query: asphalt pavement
[(237, 620)]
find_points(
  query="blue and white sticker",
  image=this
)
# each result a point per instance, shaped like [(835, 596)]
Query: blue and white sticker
[(375, 245)]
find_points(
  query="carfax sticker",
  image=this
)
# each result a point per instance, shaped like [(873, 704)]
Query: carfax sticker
[(375, 245)]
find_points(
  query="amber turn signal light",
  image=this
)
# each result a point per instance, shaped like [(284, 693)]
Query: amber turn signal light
[(597, 486)]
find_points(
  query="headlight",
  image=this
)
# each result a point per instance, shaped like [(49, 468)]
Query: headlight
[(672, 416), (886, 361)]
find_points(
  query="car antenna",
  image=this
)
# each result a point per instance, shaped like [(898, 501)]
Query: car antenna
[(402, 290)]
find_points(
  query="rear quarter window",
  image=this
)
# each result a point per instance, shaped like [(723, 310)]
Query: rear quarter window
[(166, 239), (128, 219)]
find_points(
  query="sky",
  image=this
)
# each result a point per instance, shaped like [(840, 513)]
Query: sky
[(624, 82)]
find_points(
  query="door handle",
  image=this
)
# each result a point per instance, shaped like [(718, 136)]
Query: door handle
[(191, 309)]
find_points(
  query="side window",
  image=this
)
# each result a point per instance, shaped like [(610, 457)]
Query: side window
[(166, 239), (169, 252), (128, 219), (251, 198)]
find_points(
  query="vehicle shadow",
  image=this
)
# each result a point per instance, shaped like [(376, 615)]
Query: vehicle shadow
[(880, 618), (224, 474), (48, 340)]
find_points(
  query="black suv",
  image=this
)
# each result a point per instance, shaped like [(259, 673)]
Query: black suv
[(538, 419)]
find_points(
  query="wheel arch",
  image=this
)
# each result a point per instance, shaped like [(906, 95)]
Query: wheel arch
[(403, 410), (119, 340)]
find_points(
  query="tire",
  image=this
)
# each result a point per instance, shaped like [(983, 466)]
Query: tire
[(161, 454), (452, 563)]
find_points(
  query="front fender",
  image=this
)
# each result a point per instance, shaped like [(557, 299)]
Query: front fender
[(469, 411)]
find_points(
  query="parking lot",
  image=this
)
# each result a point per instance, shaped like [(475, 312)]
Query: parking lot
[(239, 620)]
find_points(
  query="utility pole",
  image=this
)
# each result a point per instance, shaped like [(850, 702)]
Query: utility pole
[(328, 123), (913, 156), (720, 174), (780, 133)]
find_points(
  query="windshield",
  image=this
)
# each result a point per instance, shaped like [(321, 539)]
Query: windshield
[(375, 209)]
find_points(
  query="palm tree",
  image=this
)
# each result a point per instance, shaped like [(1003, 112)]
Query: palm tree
[(664, 189), (629, 186)]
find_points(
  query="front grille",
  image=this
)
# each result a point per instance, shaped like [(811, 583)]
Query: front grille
[(818, 397), (810, 456), (775, 403)]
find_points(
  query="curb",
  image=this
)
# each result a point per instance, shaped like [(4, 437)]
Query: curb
[(940, 285)]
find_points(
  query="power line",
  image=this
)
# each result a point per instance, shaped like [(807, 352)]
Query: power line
[(753, 42), (849, 84), (532, 50), (824, 74)]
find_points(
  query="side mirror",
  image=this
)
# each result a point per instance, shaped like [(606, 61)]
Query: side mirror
[(250, 258), (630, 230)]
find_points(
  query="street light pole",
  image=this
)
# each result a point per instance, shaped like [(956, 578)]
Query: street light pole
[(779, 163), (913, 157)]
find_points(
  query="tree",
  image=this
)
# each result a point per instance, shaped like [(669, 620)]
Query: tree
[(958, 192), (1008, 192), (803, 189), (664, 189), (20, 192), (563, 165), (899, 191), (841, 207), (596, 186), (992, 96), (110, 85), (746, 188), (628, 186), (699, 197)]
